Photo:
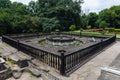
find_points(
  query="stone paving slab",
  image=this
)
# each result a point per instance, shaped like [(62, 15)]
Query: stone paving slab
[(7, 50)]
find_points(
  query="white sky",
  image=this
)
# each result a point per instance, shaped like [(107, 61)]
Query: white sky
[(88, 5), (98, 5)]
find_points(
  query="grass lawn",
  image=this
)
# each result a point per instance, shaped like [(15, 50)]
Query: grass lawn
[(95, 33), (118, 35)]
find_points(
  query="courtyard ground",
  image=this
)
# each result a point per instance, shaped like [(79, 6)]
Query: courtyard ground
[(89, 71)]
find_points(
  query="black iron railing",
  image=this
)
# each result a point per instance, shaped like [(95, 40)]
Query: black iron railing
[(65, 63)]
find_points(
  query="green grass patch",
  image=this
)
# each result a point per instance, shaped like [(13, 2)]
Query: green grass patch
[(93, 34), (97, 33), (11, 61), (118, 35)]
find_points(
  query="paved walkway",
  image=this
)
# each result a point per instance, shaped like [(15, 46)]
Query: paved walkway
[(110, 73), (89, 71)]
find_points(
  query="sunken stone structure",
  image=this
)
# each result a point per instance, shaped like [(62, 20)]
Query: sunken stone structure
[(65, 52), (60, 40)]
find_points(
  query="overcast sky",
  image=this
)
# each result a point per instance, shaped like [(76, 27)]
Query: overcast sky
[(89, 5)]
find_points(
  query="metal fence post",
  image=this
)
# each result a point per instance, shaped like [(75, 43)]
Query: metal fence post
[(62, 67)]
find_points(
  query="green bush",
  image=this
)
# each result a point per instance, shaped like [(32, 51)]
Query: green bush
[(111, 30), (88, 27), (103, 24), (72, 27)]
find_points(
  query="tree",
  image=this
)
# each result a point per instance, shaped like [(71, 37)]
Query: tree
[(50, 24), (32, 8), (84, 21), (111, 16), (66, 12), (92, 17), (5, 4), (42, 15), (5, 24), (19, 8), (19, 24), (102, 25)]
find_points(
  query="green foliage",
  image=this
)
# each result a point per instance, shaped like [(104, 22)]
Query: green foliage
[(61, 13), (49, 15), (50, 24), (111, 16), (5, 4), (19, 8), (84, 21), (88, 27), (111, 29), (43, 43), (103, 24), (5, 23), (72, 27), (92, 17), (42, 15), (116, 30)]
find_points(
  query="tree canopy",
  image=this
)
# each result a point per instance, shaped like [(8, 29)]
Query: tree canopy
[(42, 15), (50, 15), (111, 16)]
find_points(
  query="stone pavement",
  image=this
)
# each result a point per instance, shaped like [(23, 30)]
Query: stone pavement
[(91, 70), (115, 65)]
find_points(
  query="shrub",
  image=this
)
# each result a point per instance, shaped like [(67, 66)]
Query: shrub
[(88, 27), (72, 27), (111, 30), (103, 24)]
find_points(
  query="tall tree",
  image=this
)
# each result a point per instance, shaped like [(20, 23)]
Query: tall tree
[(92, 17), (19, 8), (5, 4), (5, 22), (111, 16), (66, 12)]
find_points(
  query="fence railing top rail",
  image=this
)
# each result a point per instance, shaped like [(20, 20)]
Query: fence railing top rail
[(90, 46), (33, 47)]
